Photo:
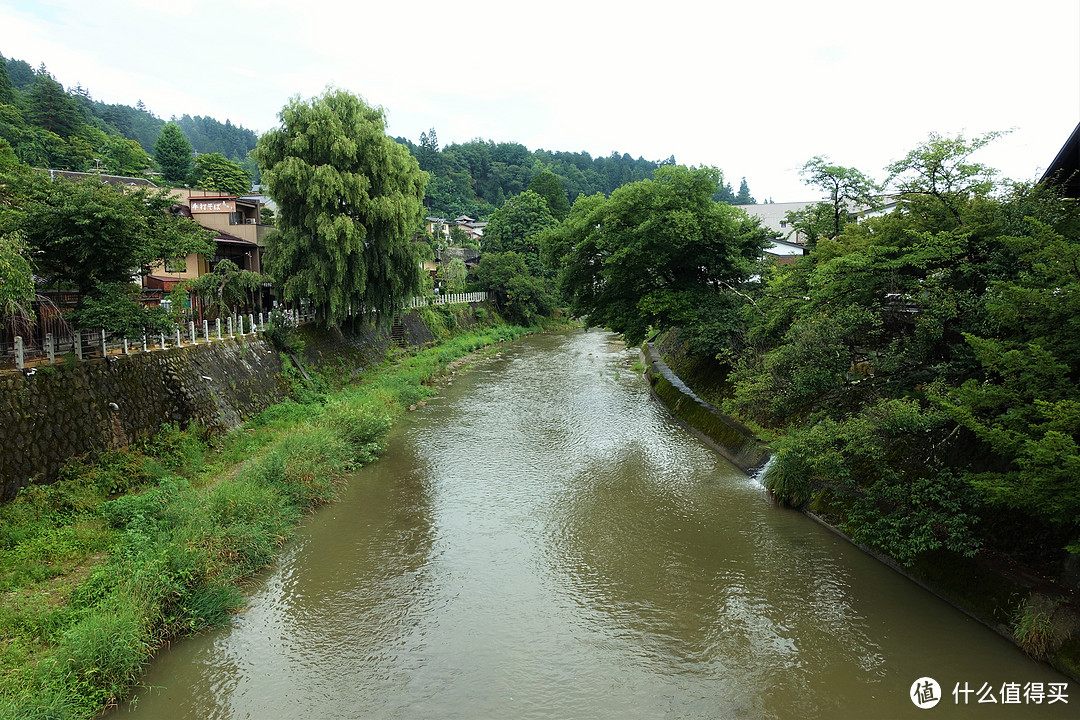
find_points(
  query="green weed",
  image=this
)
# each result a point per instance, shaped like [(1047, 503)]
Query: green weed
[(1034, 631)]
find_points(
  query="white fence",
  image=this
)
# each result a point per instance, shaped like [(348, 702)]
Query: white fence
[(448, 299), (87, 344)]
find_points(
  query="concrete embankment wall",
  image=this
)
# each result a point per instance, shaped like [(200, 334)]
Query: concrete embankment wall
[(728, 436)]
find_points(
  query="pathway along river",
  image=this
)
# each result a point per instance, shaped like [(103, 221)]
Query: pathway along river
[(542, 541)]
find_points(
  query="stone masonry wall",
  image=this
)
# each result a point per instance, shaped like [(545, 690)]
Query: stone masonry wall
[(64, 411)]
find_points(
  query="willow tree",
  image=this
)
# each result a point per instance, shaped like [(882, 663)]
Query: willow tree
[(348, 198)]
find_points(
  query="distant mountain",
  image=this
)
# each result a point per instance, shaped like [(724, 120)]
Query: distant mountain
[(49, 126)]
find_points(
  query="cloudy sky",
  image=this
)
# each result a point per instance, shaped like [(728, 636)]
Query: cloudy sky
[(755, 87)]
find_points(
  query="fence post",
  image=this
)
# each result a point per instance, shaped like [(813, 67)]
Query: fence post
[(163, 345), (178, 341), (230, 327), (218, 321), (77, 342), (191, 331), (262, 323), (19, 360), (251, 323), (50, 347), (104, 345), (206, 330), (144, 343), (127, 350)]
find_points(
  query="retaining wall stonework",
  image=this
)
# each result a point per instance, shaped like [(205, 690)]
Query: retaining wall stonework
[(67, 410)]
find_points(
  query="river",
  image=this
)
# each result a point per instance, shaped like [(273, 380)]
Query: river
[(543, 541)]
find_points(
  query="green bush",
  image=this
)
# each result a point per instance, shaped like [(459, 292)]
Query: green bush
[(362, 426), (280, 332)]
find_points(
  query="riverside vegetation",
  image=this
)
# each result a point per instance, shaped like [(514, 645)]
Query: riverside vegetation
[(918, 369), (138, 547)]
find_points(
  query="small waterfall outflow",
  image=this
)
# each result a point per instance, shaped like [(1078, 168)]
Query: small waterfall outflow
[(757, 475)]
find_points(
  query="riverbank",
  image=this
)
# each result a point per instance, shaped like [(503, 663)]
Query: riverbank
[(1032, 611), (154, 542)]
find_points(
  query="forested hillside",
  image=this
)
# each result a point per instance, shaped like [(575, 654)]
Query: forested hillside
[(67, 129), (477, 177)]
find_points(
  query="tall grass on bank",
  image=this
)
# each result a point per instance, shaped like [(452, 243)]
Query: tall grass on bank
[(143, 546)]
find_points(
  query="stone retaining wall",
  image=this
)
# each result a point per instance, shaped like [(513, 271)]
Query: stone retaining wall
[(67, 410)]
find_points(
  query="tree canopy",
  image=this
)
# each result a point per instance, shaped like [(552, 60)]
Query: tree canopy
[(517, 226), (349, 199), (476, 178), (90, 234), (923, 365), (547, 185), (214, 171), (658, 253), (848, 190)]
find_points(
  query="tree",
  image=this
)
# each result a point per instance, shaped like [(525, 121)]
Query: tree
[(458, 236), (940, 170), (21, 74), (214, 171), (52, 109), (115, 307), (517, 226), (226, 287), (658, 252), (125, 157), (348, 198), (90, 234), (16, 279), (172, 152), (520, 296), (848, 189), (744, 197), (455, 275), (428, 152), (7, 89), (547, 186)]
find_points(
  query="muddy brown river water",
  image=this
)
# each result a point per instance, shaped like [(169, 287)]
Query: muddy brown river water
[(542, 541)]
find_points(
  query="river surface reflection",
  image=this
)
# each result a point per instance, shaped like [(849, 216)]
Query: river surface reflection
[(542, 541)]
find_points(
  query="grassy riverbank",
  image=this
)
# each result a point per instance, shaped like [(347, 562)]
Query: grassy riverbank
[(150, 544)]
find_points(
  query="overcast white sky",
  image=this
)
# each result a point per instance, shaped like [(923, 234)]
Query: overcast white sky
[(755, 87)]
